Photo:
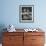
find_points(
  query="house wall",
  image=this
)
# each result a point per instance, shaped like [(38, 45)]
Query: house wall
[(10, 13)]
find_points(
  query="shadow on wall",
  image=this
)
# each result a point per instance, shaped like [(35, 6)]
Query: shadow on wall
[(2, 26)]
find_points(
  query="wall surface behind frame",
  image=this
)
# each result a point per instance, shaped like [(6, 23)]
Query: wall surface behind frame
[(10, 13)]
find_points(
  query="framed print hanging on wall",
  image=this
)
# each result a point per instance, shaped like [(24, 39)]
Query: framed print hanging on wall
[(26, 13)]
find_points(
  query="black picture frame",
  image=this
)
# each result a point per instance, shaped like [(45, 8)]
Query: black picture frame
[(26, 13)]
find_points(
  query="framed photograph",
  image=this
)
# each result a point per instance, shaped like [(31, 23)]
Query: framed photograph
[(26, 13)]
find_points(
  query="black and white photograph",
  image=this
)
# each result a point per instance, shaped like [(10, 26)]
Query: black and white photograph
[(26, 13)]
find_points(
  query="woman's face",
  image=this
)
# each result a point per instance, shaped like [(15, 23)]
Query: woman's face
[(25, 10)]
